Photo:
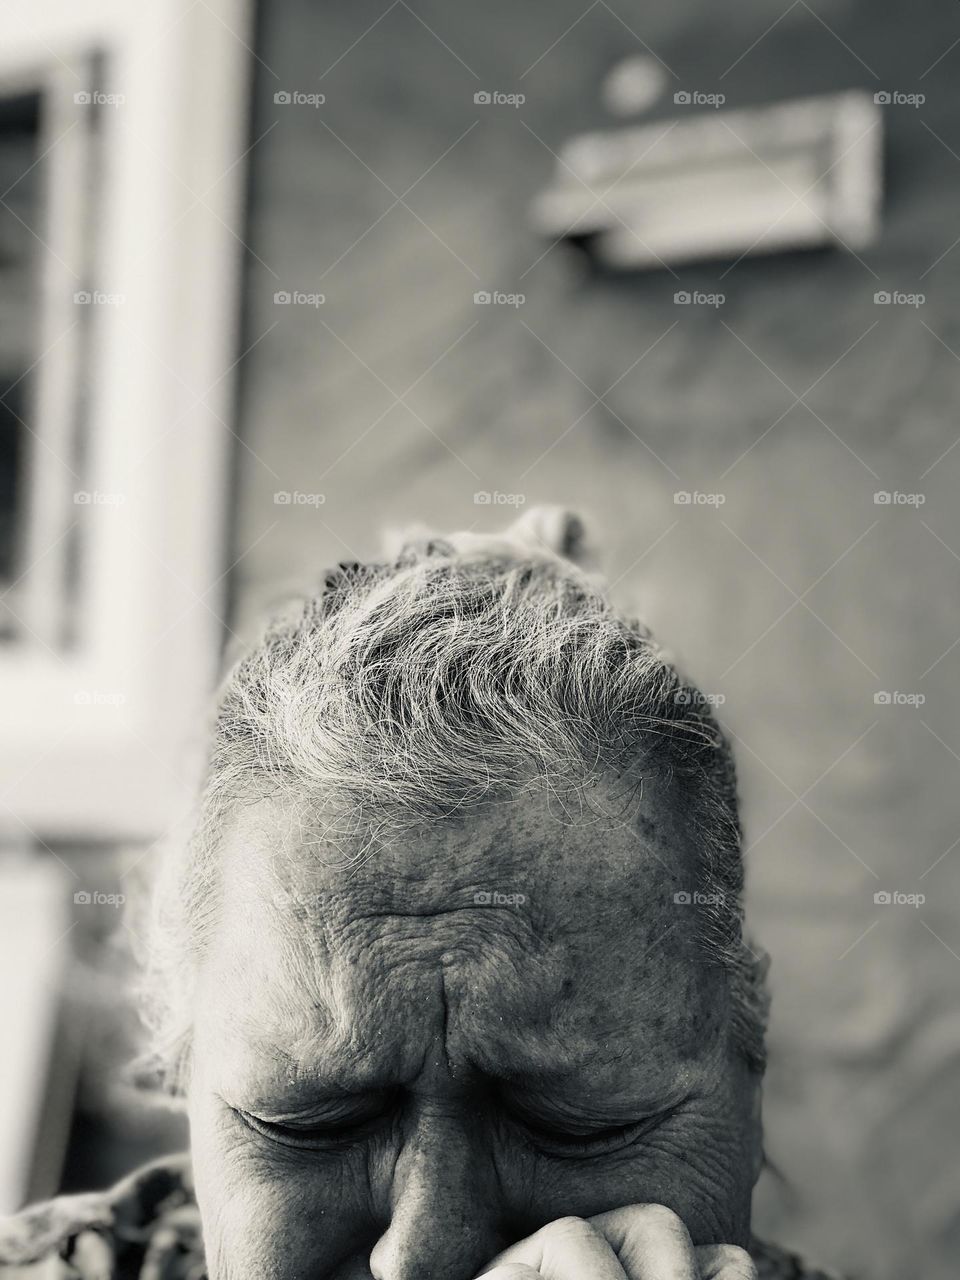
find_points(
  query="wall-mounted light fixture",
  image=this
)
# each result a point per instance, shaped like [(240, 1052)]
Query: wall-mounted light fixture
[(722, 184)]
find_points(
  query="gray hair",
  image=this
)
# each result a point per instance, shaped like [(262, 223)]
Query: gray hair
[(455, 670)]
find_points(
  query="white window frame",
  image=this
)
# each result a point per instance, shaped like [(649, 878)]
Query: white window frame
[(92, 739)]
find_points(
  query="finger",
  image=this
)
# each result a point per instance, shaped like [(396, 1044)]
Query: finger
[(650, 1241), (568, 1249), (725, 1262)]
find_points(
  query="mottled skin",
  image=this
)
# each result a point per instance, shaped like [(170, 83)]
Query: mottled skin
[(469, 1041)]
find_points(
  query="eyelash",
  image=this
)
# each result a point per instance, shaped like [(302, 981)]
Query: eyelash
[(319, 1138), (549, 1142)]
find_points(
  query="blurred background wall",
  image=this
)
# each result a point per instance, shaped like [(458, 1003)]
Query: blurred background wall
[(798, 600)]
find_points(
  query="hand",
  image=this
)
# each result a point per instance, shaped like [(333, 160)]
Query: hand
[(639, 1242)]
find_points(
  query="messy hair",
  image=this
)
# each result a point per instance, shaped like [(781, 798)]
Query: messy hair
[(452, 672)]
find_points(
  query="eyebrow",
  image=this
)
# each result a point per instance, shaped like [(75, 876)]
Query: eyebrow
[(550, 1093), (610, 1107), (338, 1070)]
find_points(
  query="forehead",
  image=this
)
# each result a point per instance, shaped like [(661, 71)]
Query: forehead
[(529, 940)]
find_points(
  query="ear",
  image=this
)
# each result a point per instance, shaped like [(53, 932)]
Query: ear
[(551, 528)]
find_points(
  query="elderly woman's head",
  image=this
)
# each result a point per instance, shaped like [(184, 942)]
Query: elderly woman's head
[(456, 948)]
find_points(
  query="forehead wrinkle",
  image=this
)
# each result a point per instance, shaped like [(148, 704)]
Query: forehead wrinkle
[(450, 966), (593, 908), (471, 973)]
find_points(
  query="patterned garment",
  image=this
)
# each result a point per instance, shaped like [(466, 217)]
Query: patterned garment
[(147, 1227)]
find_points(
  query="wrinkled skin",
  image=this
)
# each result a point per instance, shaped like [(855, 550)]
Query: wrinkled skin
[(442, 1067)]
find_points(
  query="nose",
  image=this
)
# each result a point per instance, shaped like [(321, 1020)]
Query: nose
[(445, 1210)]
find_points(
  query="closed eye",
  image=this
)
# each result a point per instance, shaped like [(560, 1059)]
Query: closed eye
[(565, 1143), (327, 1132)]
